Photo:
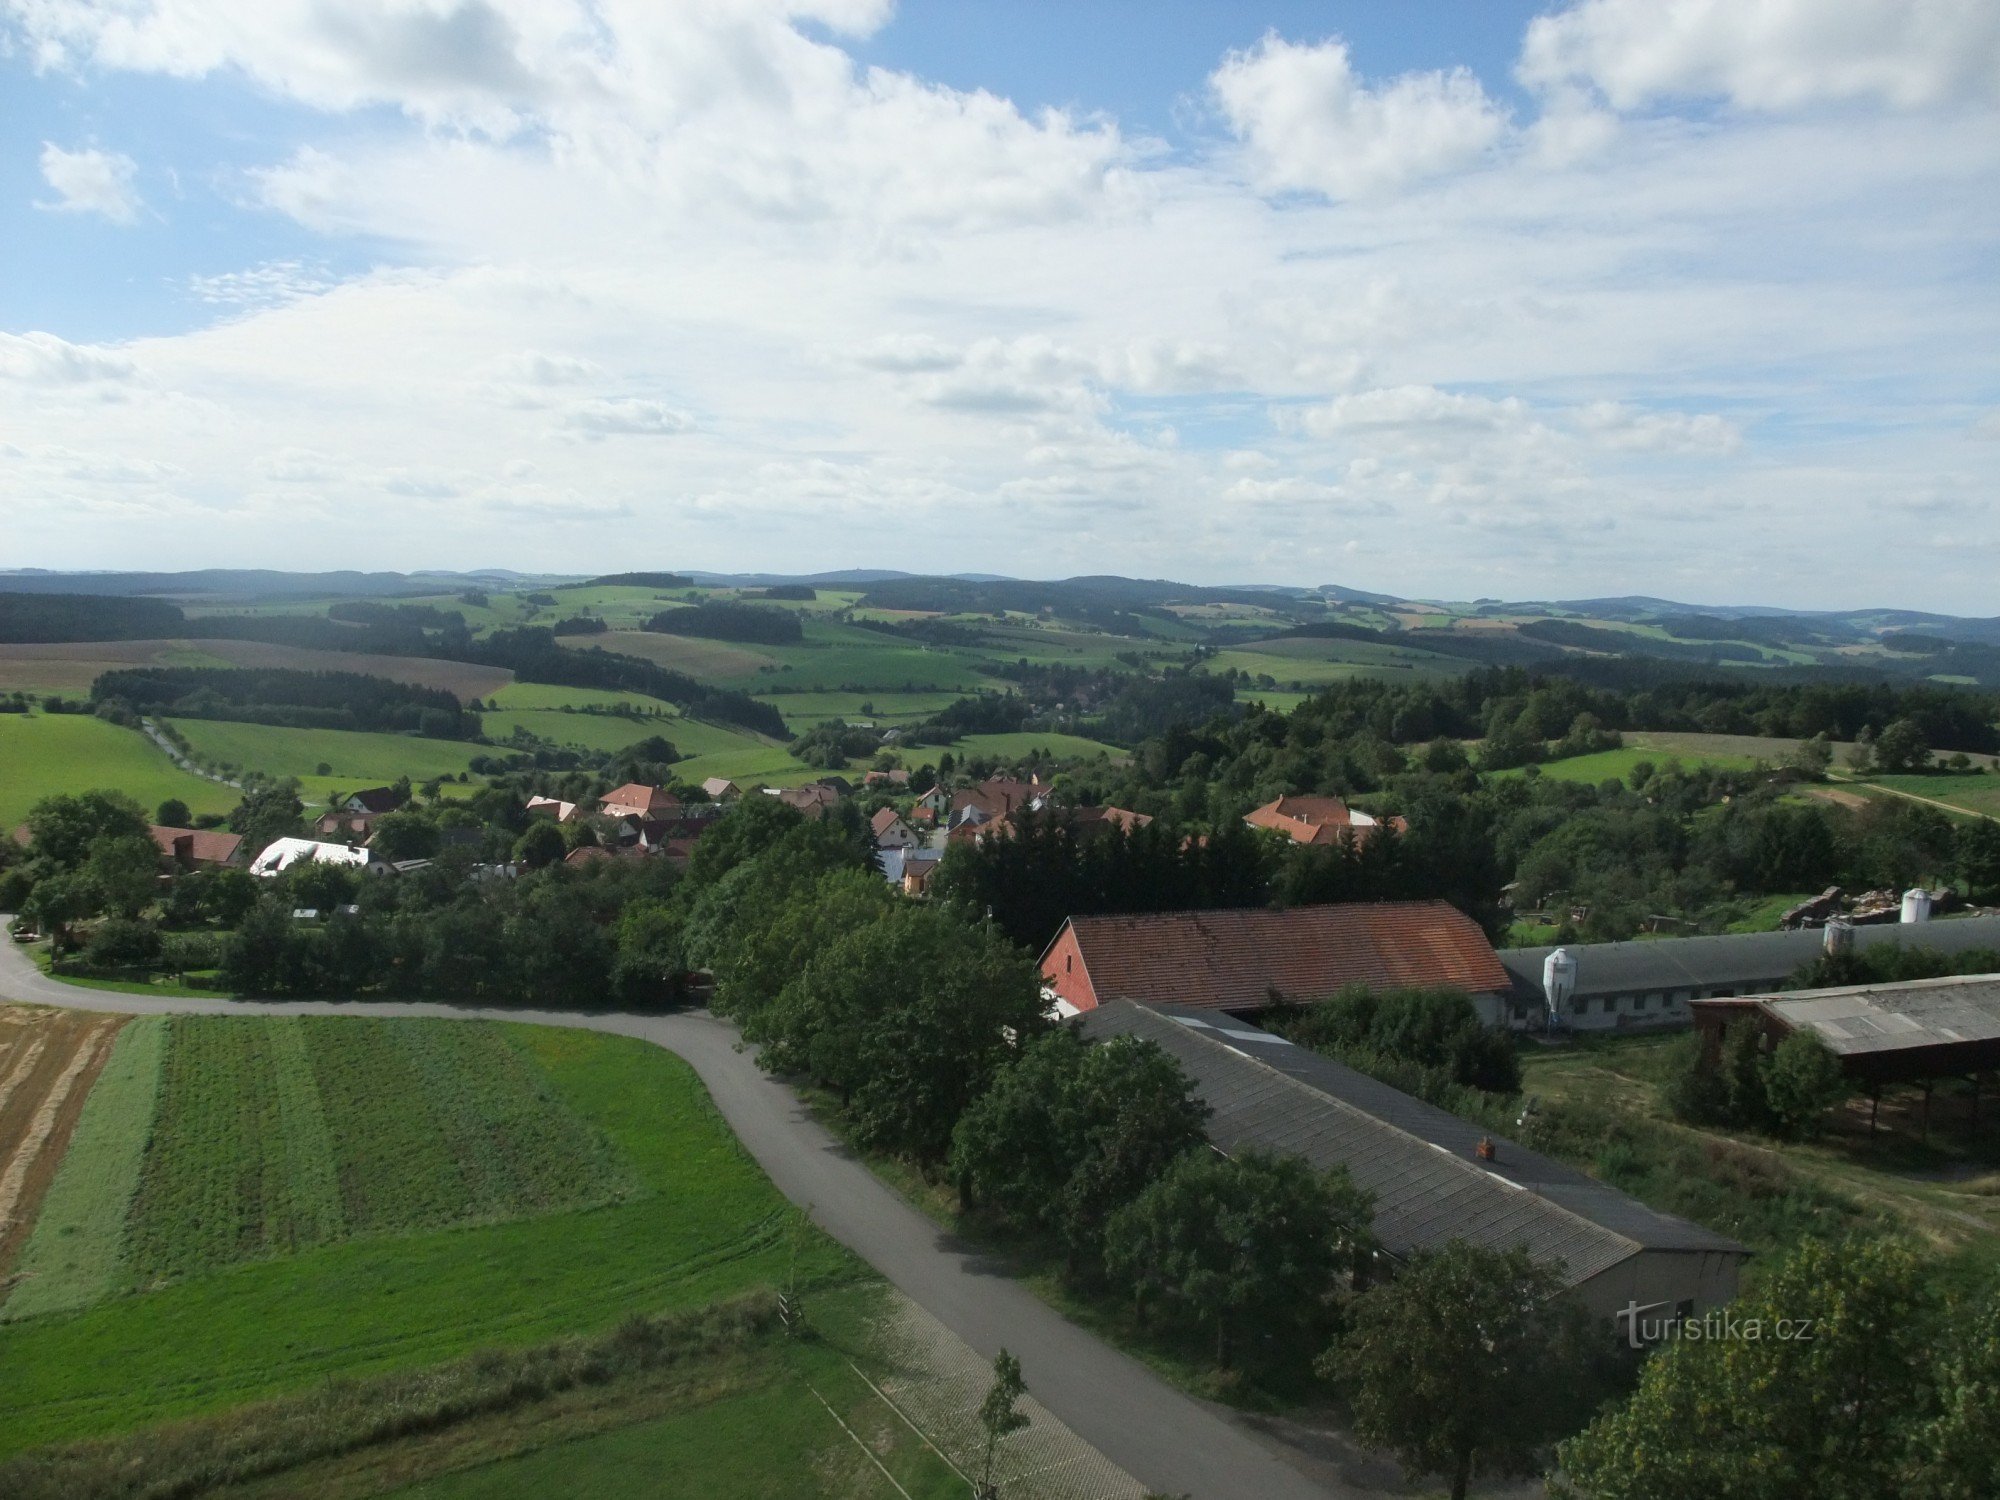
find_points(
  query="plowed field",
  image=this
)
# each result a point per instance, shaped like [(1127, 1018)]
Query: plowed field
[(48, 1061)]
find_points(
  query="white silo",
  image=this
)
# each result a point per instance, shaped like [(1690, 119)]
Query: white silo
[(1558, 984), (1839, 937), (1916, 904)]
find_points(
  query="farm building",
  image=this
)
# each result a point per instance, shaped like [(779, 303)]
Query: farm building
[(635, 801), (1242, 961), (551, 807), (721, 789), (1909, 1032), (1318, 820), (374, 800), (198, 848), (1653, 983), (1434, 1176)]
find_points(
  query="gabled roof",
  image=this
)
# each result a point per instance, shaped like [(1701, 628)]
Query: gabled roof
[(1318, 820), (719, 786), (1234, 960), (202, 846), (885, 818), (1421, 1163), (642, 799), (376, 799)]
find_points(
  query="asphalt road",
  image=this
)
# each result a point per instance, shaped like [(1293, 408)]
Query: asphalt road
[(1167, 1440)]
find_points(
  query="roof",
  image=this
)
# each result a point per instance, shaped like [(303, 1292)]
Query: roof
[(1860, 1018), (206, 846), (1317, 820), (1233, 960), (1742, 960), (644, 799), (1121, 818), (896, 863), (376, 799), (719, 786), (282, 854), (885, 818), (1420, 1162)]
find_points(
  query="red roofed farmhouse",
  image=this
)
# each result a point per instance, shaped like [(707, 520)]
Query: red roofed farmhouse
[(635, 801), (1319, 820), (1242, 960)]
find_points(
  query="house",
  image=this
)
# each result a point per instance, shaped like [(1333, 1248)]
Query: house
[(897, 778), (282, 854), (1243, 960), (1320, 820), (551, 807), (1433, 1176), (815, 801), (1002, 797), (1106, 819), (909, 870), (375, 801), (635, 801), (721, 789), (890, 831), (1613, 986), (936, 802), (198, 848), (343, 822)]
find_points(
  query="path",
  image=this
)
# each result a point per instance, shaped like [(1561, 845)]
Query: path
[(1168, 1440), (175, 754), (1950, 807)]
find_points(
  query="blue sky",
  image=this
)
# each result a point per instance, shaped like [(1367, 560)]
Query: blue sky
[(1458, 299)]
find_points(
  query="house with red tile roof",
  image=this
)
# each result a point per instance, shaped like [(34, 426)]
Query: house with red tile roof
[(815, 800), (1320, 820), (1104, 819), (890, 831), (551, 807), (635, 801), (1244, 960), (192, 848)]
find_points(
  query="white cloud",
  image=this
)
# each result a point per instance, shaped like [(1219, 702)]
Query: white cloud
[(1770, 54), (44, 359), (91, 181), (1311, 124), (1620, 426), (629, 415)]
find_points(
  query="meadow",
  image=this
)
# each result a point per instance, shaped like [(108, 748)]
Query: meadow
[(70, 667), (1606, 764), (42, 755), (1308, 663), (1976, 794), (695, 1221), (350, 756)]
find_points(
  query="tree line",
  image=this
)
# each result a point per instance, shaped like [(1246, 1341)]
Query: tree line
[(284, 696), (727, 620)]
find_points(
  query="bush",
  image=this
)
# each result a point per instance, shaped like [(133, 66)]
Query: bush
[(119, 943)]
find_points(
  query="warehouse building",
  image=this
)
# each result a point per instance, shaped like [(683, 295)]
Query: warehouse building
[(1654, 982), (1435, 1177)]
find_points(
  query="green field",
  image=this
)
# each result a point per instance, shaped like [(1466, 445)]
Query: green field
[(43, 754), (1014, 747), (1978, 794), (1619, 763), (351, 755), (704, 660), (804, 710), (697, 1222), (1313, 663), (601, 732)]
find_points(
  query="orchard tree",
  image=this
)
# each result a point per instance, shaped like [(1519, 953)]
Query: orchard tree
[(1459, 1364), (540, 844), (1253, 1241), (172, 813)]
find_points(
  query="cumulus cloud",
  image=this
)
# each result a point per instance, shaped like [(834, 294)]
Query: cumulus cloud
[(1770, 54), (625, 415), (91, 181), (44, 359), (1620, 426), (1310, 124)]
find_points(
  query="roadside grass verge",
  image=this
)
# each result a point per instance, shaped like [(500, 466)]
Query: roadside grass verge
[(75, 1254), (701, 1223)]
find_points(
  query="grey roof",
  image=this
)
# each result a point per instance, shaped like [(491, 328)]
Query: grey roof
[(1742, 960), (895, 863), (1418, 1161), (1892, 1017)]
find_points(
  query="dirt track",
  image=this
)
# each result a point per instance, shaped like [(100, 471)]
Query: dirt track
[(48, 1061)]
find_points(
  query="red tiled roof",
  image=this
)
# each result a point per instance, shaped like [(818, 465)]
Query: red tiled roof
[(204, 846), (1318, 820), (885, 818), (642, 799), (1233, 960)]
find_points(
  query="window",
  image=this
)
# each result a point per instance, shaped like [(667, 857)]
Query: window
[(1578, 1007), (1639, 1001), (1610, 1004), (1520, 1013)]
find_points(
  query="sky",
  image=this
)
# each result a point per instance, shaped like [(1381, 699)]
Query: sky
[(1693, 298)]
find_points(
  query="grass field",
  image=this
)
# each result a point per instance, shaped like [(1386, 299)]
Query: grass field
[(70, 667), (700, 1222), (1014, 747), (1978, 794), (704, 660), (43, 754), (803, 710), (351, 755), (538, 695), (1619, 763), (600, 732), (1315, 663)]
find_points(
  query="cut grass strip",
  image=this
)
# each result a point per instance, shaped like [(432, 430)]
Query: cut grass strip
[(307, 1143), (76, 1254)]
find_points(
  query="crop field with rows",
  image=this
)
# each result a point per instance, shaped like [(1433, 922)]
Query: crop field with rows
[(275, 1137)]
